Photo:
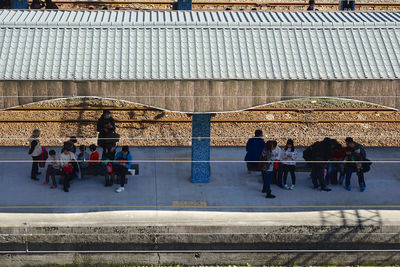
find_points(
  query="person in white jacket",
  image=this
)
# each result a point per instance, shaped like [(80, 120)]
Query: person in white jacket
[(67, 158), (35, 150), (289, 156), (278, 167)]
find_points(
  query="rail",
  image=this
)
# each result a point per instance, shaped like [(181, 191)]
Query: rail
[(74, 108), (212, 121)]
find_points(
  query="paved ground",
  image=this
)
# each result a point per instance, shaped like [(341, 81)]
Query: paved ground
[(160, 184)]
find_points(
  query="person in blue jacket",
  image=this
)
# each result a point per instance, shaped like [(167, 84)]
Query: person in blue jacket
[(254, 148), (122, 164)]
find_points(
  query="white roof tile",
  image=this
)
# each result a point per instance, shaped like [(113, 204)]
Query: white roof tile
[(92, 45)]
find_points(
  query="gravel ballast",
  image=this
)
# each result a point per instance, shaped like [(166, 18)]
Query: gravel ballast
[(222, 134)]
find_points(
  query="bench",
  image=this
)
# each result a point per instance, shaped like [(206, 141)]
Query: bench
[(300, 167), (134, 170)]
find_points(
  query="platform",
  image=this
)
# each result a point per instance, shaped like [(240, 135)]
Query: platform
[(164, 184), (163, 218)]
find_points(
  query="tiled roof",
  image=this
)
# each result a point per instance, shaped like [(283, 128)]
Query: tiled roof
[(108, 45)]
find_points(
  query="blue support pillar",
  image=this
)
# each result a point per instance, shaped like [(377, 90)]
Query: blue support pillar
[(184, 4), (20, 4), (201, 125)]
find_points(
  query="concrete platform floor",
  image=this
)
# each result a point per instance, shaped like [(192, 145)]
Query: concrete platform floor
[(166, 186)]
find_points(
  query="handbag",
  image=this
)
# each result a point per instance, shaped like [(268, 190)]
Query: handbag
[(67, 168), (276, 165)]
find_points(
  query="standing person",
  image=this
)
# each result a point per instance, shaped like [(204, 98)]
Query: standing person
[(101, 122), (289, 164), (311, 4), (35, 150), (337, 155), (67, 159), (108, 137), (51, 5), (321, 152), (278, 167), (53, 169), (357, 154), (254, 148), (122, 163), (37, 4), (267, 168)]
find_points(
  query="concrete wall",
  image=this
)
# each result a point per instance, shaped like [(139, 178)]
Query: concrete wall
[(192, 96), (302, 245)]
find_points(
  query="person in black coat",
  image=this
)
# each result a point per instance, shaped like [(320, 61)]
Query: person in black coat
[(106, 123), (254, 148), (320, 155)]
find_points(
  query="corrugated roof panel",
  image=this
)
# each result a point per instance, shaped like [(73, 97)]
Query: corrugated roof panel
[(198, 45), (273, 53), (229, 53), (394, 45)]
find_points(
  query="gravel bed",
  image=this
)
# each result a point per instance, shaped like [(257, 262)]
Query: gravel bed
[(222, 134)]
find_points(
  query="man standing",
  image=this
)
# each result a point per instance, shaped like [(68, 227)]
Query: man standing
[(358, 154), (103, 125), (321, 152), (254, 148), (106, 129), (311, 4)]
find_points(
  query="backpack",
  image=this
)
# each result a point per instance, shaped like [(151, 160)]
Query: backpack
[(307, 154), (366, 166), (44, 157)]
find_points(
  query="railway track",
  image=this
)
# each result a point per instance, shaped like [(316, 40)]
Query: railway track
[(214, 121), (154, 109)]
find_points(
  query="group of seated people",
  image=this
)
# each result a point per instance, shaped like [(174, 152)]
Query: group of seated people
[(70, 164), (326, 159)]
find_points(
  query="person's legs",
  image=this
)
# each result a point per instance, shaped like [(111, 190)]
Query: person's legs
[(264, 176), (292, 170), (314, 176), (120, 171), (330, 168), (349, 172), (107, 179), (64, 178), (35, 167), (342, 173), (67, 178), (361, 180), (320, 175), (122, 179), (274, 177), (285, 173), (280, 173), (268, 184), (53, 177), (48, 173), (70, 176), (51, 172)]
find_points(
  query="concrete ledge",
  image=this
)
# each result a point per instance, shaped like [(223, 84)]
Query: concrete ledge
[(189, 237)]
